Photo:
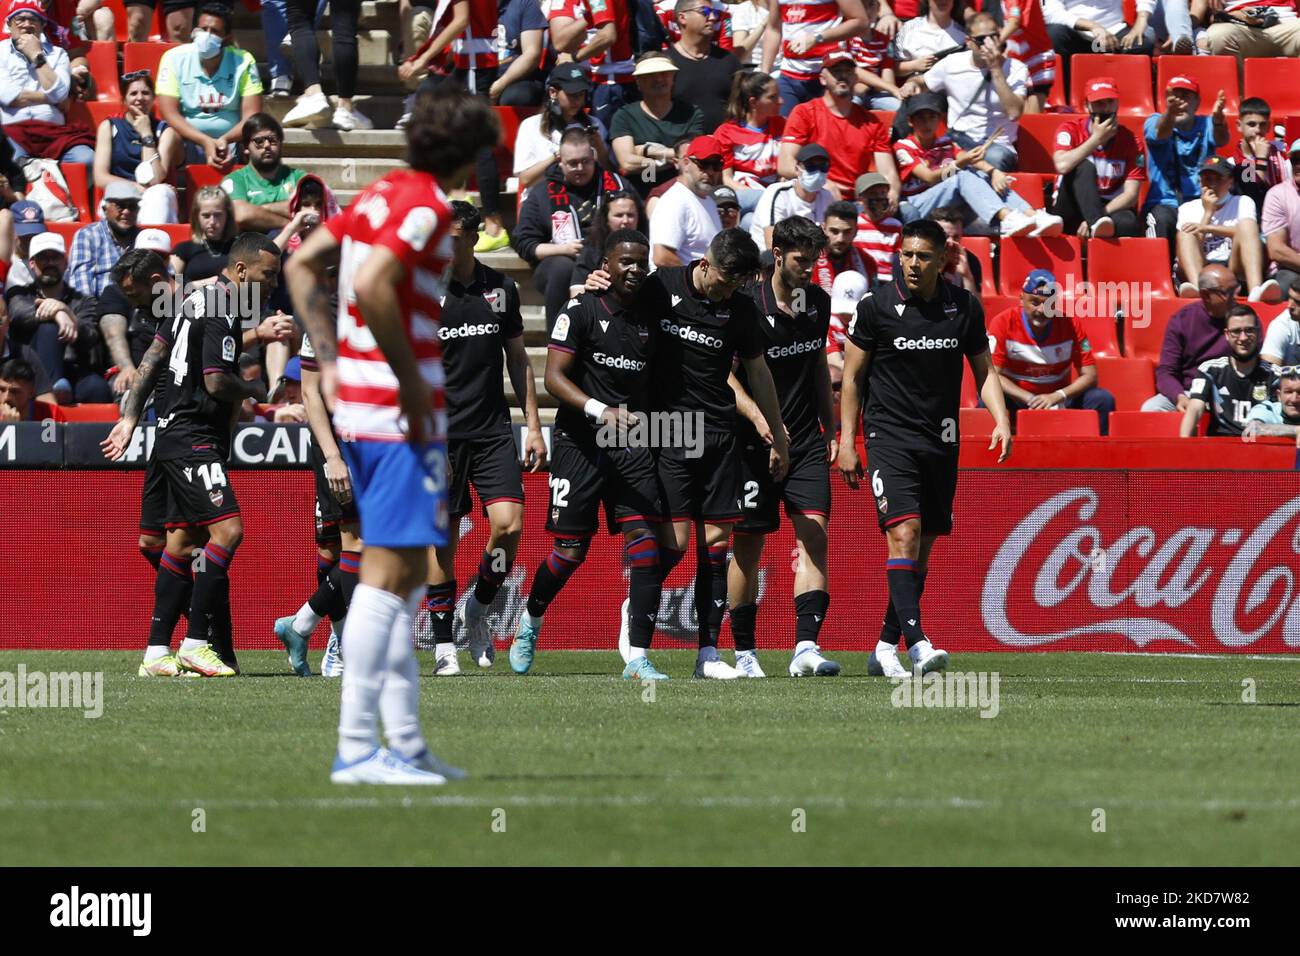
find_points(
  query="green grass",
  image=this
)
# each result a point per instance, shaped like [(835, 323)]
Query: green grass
[(587, 772)]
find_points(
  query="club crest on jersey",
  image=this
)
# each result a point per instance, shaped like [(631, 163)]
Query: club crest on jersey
[(491, 296), (950, 310), (561, 331), (216, 496), (884, 504), (724, 315), (228, 349), (1260, 393), (643, 334)]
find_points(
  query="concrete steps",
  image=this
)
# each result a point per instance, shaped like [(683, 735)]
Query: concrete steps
[(375, 15), (326, 143), (374, 47)]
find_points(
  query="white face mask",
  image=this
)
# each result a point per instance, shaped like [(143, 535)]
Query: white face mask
[(812, 181), (207, 43)]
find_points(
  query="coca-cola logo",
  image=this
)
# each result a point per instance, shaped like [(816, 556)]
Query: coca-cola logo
[(1137, 574)]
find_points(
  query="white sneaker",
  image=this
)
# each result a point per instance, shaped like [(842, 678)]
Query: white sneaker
[(810, 663), (430, 762), (716, 670), (332, 664), (310, 112), (1267, 291), (926, 658), (1047, 225), (282, 87), (349, 120), (624, 640), (747, 664), (384, 767), (1103, 228), (886, 665), (1016, 223), (447, 663), (408, 107), (475, 627)]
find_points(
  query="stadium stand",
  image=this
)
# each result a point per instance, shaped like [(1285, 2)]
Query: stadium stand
[(1059, 423), (1213, 73), (1132, 75)]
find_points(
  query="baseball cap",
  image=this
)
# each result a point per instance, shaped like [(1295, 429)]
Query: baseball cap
[(119, 189), (654, 63), (725, 196), (866, 181), (836, 57), (569, 77), (155, 240), (812, 151), (26, 6), (847, 291), (1040, 282), (1295, 148), (46, 242), (924, 101), (1183, 82), (1101, 88), (29, 218), (1217, 164), (293, 369), (705, 147)]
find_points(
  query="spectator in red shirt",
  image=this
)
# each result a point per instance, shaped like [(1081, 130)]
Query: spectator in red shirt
[(878, 231), (751, 139), (1100, 167), (598, 33), (1035, 347), (855, 140)]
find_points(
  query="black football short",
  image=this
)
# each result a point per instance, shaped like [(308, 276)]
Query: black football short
[(155, 502), (330, 512), (806, 489), (200, 492), (705, 487), (584, 476), (490, 464), (169, 6), (912, 481)]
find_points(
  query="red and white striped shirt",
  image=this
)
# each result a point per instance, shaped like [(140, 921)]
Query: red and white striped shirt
[(407, 213), (666, 11), (879, 241), (751, 154), (909, 154), (1285, 11), (615, 65), (476, 48), (1030, 44), (871, 53), (1039, 365), (806, 17), (826, 269)]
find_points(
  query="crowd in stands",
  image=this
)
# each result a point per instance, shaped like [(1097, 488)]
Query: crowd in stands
[(682, 118)]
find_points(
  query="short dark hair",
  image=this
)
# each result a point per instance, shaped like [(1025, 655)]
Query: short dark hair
[(1241, 310), (448, 128), (734, 252), (1256, 106), (249, 245), (18, 370), (310, 188), (926, 229), (842, 209), (630, 236), (575, 136), (261, 123), (140, 264), (221, 10), (799, 232), (466, 214), (947, 214)]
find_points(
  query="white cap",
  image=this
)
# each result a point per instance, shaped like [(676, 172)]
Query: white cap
[(155, 240), (44, 242), (847, 291)]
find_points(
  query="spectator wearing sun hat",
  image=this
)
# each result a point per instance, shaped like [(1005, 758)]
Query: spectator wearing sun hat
[(97, 247), (644, 133), (685, 219)]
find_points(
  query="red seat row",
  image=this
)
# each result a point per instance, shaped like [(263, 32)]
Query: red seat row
[(1080, 423)]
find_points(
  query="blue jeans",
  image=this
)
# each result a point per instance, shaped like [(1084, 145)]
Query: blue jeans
[(748, 203), (794, 92), (85, 155), (998, 156), (875, 100), (966, 188)]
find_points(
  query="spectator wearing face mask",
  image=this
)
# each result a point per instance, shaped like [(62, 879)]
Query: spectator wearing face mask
[(806, 195)]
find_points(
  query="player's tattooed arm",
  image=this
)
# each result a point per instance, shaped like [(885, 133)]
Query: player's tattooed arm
[(304, 274), (113, 327), (1256, 429), (229, 387), (525, 389), (856, 360), (150, 367)]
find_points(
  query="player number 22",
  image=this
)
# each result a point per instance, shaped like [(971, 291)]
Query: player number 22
[(560, 492)]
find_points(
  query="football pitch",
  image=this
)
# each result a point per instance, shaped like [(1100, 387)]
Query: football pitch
[(1091, 759)]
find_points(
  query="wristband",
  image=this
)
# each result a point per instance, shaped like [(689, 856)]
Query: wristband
[(594, 409), (1061, 392)]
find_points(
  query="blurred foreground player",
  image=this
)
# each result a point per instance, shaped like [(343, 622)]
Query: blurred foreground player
[(905, 346), (382, 375)]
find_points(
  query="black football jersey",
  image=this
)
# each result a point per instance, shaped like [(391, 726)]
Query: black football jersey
[(476, 322), (612, 348), (203, 339), (917, 350), (1229, 395), (697, 341), (794, 349)]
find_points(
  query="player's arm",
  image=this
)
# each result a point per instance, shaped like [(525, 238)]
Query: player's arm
[(1191, 418), (601, 41), (826, 405), (304, 274), (558, 383), (856, 360), (989, 386), (273, 328), (747, 408), (1257, 429), (521, 380), (318, 420), (221, 377), (146, 376), (764, 391), (113, 327)]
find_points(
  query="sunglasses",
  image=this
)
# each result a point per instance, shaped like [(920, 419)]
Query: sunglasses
[(984, 38), (712, 165), (707, 12), (134, 75), (817, 166), (1287, 371), (265, 141)]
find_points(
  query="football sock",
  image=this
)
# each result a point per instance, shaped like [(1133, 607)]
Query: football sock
[(367, 634), (326, 602), (155, 651), (905, 596), (323, 566), (444, 650), (172, 591), (669, 558), (221, 634), (440, 599), (643, 590), (886, 647), (349, 568), (554, 572), (152, 555), (890, 632), (809, 613), (489, 579), (710, 592), (744, 621), (211, 590), (399, 697)]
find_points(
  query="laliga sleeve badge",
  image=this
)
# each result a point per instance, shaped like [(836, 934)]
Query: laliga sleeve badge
[(417, 227), (228, 349), (561, 331), (1260, 393)]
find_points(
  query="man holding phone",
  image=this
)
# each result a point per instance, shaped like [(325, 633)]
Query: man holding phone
[(1100, 167)]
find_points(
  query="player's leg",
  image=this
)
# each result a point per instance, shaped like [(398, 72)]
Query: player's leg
[(344, 577), (209, 605), (295, 630), (811, 597), (634, 506), (742, 596), (440, 603), (895, 475), (716, 492), (938, 489), (173, 585)]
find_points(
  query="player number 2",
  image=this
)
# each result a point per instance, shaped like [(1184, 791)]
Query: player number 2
[(877, 486), (560, 492), (751, 494)]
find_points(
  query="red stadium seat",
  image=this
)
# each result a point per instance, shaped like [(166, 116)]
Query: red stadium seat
[(1277, 80), (78, 188), (1144, 335), (1058, 423), (1143, 263), (1033, 188), (1146, 424), (1213, 73), (975, 422), (994, 304), (1100, 330), (194, 178), (1061, 254), (1131, 380), (144, 56), (982, 248), (107, 412), (1036, 140), (1132, 74), (65, 229), (101, 110), (102, 57), (178, 231), (969, 394), (1056, 95)]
